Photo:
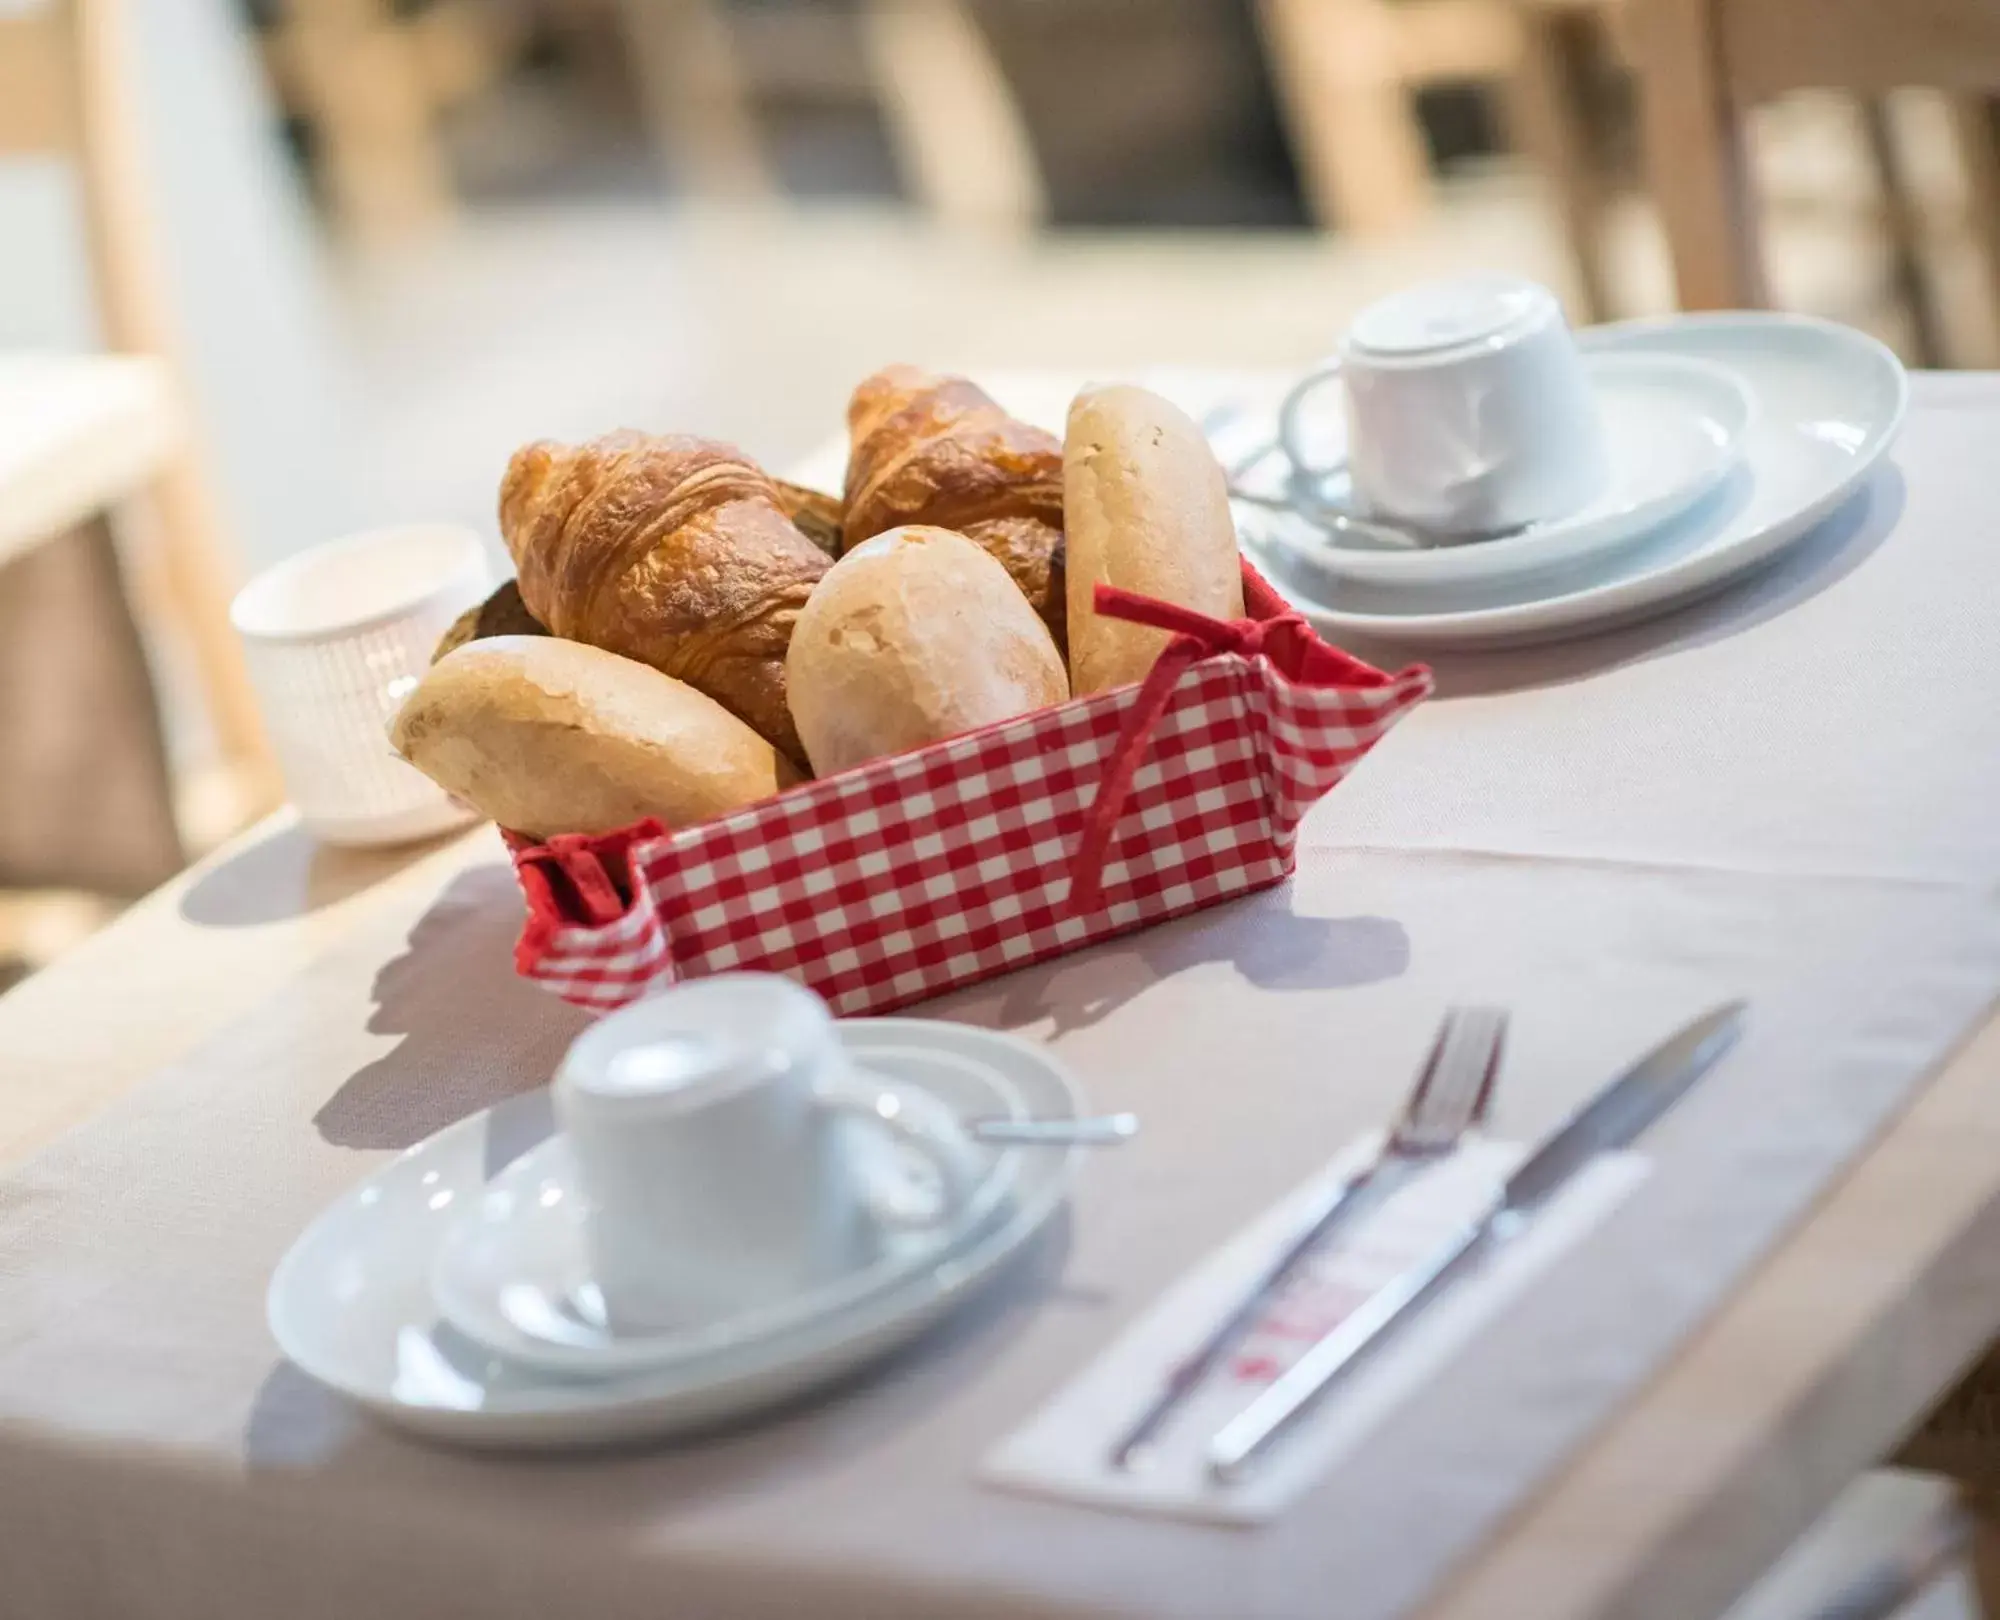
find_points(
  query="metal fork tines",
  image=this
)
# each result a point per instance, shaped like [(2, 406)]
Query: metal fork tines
[(1451, 1095), (1455, 1088)]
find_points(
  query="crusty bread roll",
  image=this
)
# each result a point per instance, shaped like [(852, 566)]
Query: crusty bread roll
[(913, 636), (549, 736), (1146, 507)]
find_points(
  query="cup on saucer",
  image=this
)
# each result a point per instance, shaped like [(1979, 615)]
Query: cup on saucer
[(1469, 412), (732, 1156)]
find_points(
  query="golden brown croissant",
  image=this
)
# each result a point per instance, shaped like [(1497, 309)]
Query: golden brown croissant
[(937, 451), (672, 551)]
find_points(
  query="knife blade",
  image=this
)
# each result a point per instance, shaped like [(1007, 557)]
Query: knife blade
[(1614, 1118)]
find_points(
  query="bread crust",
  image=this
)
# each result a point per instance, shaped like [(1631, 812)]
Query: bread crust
[(915, 635), (550, 736), (1147, 509)]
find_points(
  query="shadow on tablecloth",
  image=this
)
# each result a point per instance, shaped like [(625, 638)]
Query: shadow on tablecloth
[(473, 1032), (287, 875), (1262, 936)]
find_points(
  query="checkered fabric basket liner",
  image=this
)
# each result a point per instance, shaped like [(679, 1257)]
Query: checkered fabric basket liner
[(937, 868)]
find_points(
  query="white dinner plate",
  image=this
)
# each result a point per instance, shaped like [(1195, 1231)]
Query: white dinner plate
[(1674, 427), (351, 1305), (514, 1274), (1829, 401)]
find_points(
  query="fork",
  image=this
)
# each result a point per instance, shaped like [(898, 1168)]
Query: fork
[(1452, 1093)]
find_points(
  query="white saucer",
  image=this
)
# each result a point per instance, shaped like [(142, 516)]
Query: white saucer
[(1674, 426), (351, 1304), (514, 1274), (1829, 401)]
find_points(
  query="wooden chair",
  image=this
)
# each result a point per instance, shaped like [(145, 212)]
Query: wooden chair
[(1348, 70), (949, 113), (1549, 119), (958, 133), (371, 81), (1705, 63), (64, 92)]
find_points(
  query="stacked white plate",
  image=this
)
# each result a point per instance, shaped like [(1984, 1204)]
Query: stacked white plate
[(448, 1293), (1731, 436)]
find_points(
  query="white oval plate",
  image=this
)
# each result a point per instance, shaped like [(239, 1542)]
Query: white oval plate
[(1674, 427), (513, 1273), (1829, 403), (351, 1304)]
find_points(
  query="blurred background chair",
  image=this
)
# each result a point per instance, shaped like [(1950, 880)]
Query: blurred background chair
[(1352, 72), (371, 83), (1349, 72), (924, 65), (87, 803), (370, 80), (1558, 115), (1707, 63)]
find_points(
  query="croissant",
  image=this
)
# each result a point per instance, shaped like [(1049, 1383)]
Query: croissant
[(938, 451), (671, 551)]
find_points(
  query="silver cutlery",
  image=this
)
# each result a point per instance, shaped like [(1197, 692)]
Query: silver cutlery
[(1101, 1130), (1452, 1092), (1615, 1117)]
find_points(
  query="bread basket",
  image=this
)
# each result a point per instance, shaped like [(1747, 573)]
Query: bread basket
[(937, 868)]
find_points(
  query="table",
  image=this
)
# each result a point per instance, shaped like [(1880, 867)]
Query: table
[(1838, 1343)]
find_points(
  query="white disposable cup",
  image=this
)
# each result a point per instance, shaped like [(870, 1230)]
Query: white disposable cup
[(732, 1157), (1469, 411), (335, 638)]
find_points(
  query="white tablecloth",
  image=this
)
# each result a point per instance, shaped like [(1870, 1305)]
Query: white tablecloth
[(1789, 805)]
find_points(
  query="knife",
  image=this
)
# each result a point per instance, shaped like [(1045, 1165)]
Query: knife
[(1615, 1117)]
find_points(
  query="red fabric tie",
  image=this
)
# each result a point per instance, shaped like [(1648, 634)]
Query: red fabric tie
[(1286, 639)]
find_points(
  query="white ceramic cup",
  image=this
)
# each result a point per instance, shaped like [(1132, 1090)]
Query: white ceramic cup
[(1468, 410), (336, 637), (731, 1156)]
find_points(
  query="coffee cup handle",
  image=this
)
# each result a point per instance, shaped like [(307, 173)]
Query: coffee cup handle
[(918, 1120), (1289, 436)]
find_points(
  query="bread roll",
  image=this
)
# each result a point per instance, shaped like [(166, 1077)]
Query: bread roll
[(913, 636), (549, 736), (1146, 508)]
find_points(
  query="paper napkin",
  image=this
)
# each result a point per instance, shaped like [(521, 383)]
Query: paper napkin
[(1064, 1450)]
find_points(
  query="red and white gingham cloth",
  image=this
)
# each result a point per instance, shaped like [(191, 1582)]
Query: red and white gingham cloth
[(925, 871)]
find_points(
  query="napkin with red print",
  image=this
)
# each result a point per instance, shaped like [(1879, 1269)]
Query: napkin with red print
[(1064, 1451)]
